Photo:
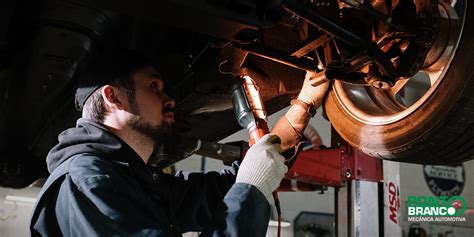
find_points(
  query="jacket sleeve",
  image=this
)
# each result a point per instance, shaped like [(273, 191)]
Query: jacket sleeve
[(98, 200), (212, 203), (244, 212)]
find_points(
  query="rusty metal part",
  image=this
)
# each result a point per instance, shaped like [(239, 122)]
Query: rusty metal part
[(333, 59), (227, 153), (379, 15), (318, 79), (379, 82), (354, 78), (375, 107), (412, 52), (231, 60), (278, 56), (332, 56), (376, 80), (426, 18), (311, 46), (328, 25)]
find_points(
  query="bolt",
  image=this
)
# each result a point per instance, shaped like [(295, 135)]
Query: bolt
[(376, 80), (348, 174), (380, 85)]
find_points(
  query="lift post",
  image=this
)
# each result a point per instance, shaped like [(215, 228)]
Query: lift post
[(367, 196)]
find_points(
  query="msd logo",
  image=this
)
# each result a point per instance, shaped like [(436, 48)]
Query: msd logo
[(394, 202)]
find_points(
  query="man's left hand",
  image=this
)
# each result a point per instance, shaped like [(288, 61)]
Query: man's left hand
[(314, 89)]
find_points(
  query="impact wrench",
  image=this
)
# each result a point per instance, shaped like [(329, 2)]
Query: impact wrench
[(251, 115)]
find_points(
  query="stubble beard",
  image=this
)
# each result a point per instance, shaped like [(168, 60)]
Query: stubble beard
[(164, 138)]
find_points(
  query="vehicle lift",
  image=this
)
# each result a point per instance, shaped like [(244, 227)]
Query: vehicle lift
[(367, 189)]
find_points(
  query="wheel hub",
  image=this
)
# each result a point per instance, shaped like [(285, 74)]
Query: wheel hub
[(421, 60)]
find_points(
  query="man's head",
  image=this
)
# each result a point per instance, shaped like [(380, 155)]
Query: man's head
[(126, 93), (137, 96)]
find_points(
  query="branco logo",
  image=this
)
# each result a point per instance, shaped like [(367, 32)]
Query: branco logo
[(436, 208)]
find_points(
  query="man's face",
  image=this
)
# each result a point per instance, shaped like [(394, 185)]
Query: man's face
[(151, 115), (150, 110), (152, 104)]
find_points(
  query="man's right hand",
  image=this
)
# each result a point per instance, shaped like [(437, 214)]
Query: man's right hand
[(263, 165)]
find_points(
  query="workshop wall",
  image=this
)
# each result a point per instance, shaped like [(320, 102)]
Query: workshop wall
[(16, 206)]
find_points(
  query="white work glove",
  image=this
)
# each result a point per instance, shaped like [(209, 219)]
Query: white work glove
[(314, 89), (263, 166)]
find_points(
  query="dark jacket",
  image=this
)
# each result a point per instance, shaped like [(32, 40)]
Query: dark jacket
[(100, 187)]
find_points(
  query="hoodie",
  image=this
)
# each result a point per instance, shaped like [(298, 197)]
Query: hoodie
[(88, 137), (99, 186)]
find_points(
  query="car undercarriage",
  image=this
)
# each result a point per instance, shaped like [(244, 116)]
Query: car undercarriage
[(370, 50)]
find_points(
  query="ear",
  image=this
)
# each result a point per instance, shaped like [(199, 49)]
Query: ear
[(112, 97)]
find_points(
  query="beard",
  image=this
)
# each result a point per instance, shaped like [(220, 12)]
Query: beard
[(170, 146)]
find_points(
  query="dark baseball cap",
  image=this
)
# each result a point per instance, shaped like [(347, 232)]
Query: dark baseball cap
[(104, 69)]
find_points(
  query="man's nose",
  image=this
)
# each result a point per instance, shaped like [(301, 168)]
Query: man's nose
[(169, 102)]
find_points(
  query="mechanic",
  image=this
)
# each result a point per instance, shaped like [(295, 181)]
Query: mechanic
[(102, 183)]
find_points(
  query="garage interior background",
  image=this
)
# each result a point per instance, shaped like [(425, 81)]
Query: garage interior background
[(312, 208)]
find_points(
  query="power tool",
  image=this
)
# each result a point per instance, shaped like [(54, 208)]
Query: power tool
[(248, 108), (250, 114)]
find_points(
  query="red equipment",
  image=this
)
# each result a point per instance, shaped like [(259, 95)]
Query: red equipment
[(333, 167)]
